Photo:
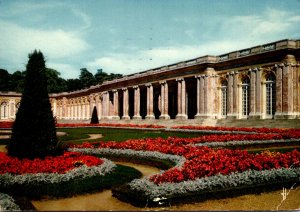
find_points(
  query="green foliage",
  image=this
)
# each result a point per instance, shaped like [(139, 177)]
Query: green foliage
[(66, 188), (34, 132), (4, 78), (55, 84), (94, 119), (86, 78)]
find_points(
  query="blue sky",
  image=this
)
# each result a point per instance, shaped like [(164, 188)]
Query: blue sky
[(128, 36)]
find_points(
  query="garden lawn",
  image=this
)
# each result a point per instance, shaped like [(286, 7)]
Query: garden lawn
[(118, 135)]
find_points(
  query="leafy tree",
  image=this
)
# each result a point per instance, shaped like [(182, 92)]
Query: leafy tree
[(101, 76), (94, 119), (87, 78), (34, 133), (16, 82), (55, 84), (4, 79), (74, 84)]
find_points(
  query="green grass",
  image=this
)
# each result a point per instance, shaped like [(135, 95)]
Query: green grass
[(81, 134)]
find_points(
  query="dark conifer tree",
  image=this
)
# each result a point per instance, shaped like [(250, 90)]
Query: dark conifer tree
[(34, 132), (94, 119)]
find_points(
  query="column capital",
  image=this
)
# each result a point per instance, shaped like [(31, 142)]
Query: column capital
[(124, 89), (163, 82), (135, 87), (148, 84), (179, 79), (114, 90)]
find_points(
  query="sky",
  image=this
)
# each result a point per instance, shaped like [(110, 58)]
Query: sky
[(130, 36)]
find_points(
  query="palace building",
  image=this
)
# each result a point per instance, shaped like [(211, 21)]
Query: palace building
[(261, 82)]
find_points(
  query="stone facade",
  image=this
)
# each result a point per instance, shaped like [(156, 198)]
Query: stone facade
[(261, 82)]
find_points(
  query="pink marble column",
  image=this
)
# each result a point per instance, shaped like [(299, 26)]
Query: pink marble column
[(198, 96), (296, 89), (235, 96), (125, 104), (164, 100), (181, 99), (252, 93), (137, 102), (279, 69), (115, 114), (211, 95), (258, 92), (150, 114), (230, 95)]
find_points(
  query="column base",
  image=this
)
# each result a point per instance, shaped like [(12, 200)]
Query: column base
[(254, 116), (232, 116), (150, 117), (115, 118), (285, 115), (137, 117), (165, 116), (181, 116), (126, 117)]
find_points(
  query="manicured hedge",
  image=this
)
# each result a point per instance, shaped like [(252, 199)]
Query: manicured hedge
[(80, 180)]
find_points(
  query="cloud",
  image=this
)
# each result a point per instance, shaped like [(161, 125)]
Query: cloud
[(17, 41), (141, 60), (67, 71), (268, 25)]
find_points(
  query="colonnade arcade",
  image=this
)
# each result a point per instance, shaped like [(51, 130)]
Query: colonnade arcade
[(257, 92)]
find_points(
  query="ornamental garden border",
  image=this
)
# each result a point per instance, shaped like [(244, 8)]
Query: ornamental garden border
[(152, 191)]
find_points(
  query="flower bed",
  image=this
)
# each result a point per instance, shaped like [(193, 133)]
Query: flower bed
[(205, 169), (64, 175), (59, 164), (9, 124), (112, 125), (6, 124), (239, 129)]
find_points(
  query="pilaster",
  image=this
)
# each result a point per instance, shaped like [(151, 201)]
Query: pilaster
[(137, 103), (115, 114), (164, 100), (150, 114), (181, 99)]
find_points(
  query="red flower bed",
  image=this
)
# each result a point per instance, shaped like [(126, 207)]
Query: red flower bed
[(6, 124), (244, 129), (59, 164), (111, 125), (206, 162), (203, 161)]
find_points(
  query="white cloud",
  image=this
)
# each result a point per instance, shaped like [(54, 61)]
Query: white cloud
[(67, 71), (146, 59), (17, 42), (265, 26)]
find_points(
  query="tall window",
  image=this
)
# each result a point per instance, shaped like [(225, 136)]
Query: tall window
[(245, 96), (270, 94), (4, 110), (224, 98)]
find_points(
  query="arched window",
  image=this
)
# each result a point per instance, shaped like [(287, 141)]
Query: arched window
[(4, 110), (224, 97), (245, 96), (270, 94)]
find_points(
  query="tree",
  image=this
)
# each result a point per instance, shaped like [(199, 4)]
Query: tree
[(94, 119), (4, 79), (74, 84), (34, 133), (87, 78), (16, 82), (55, 84)]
